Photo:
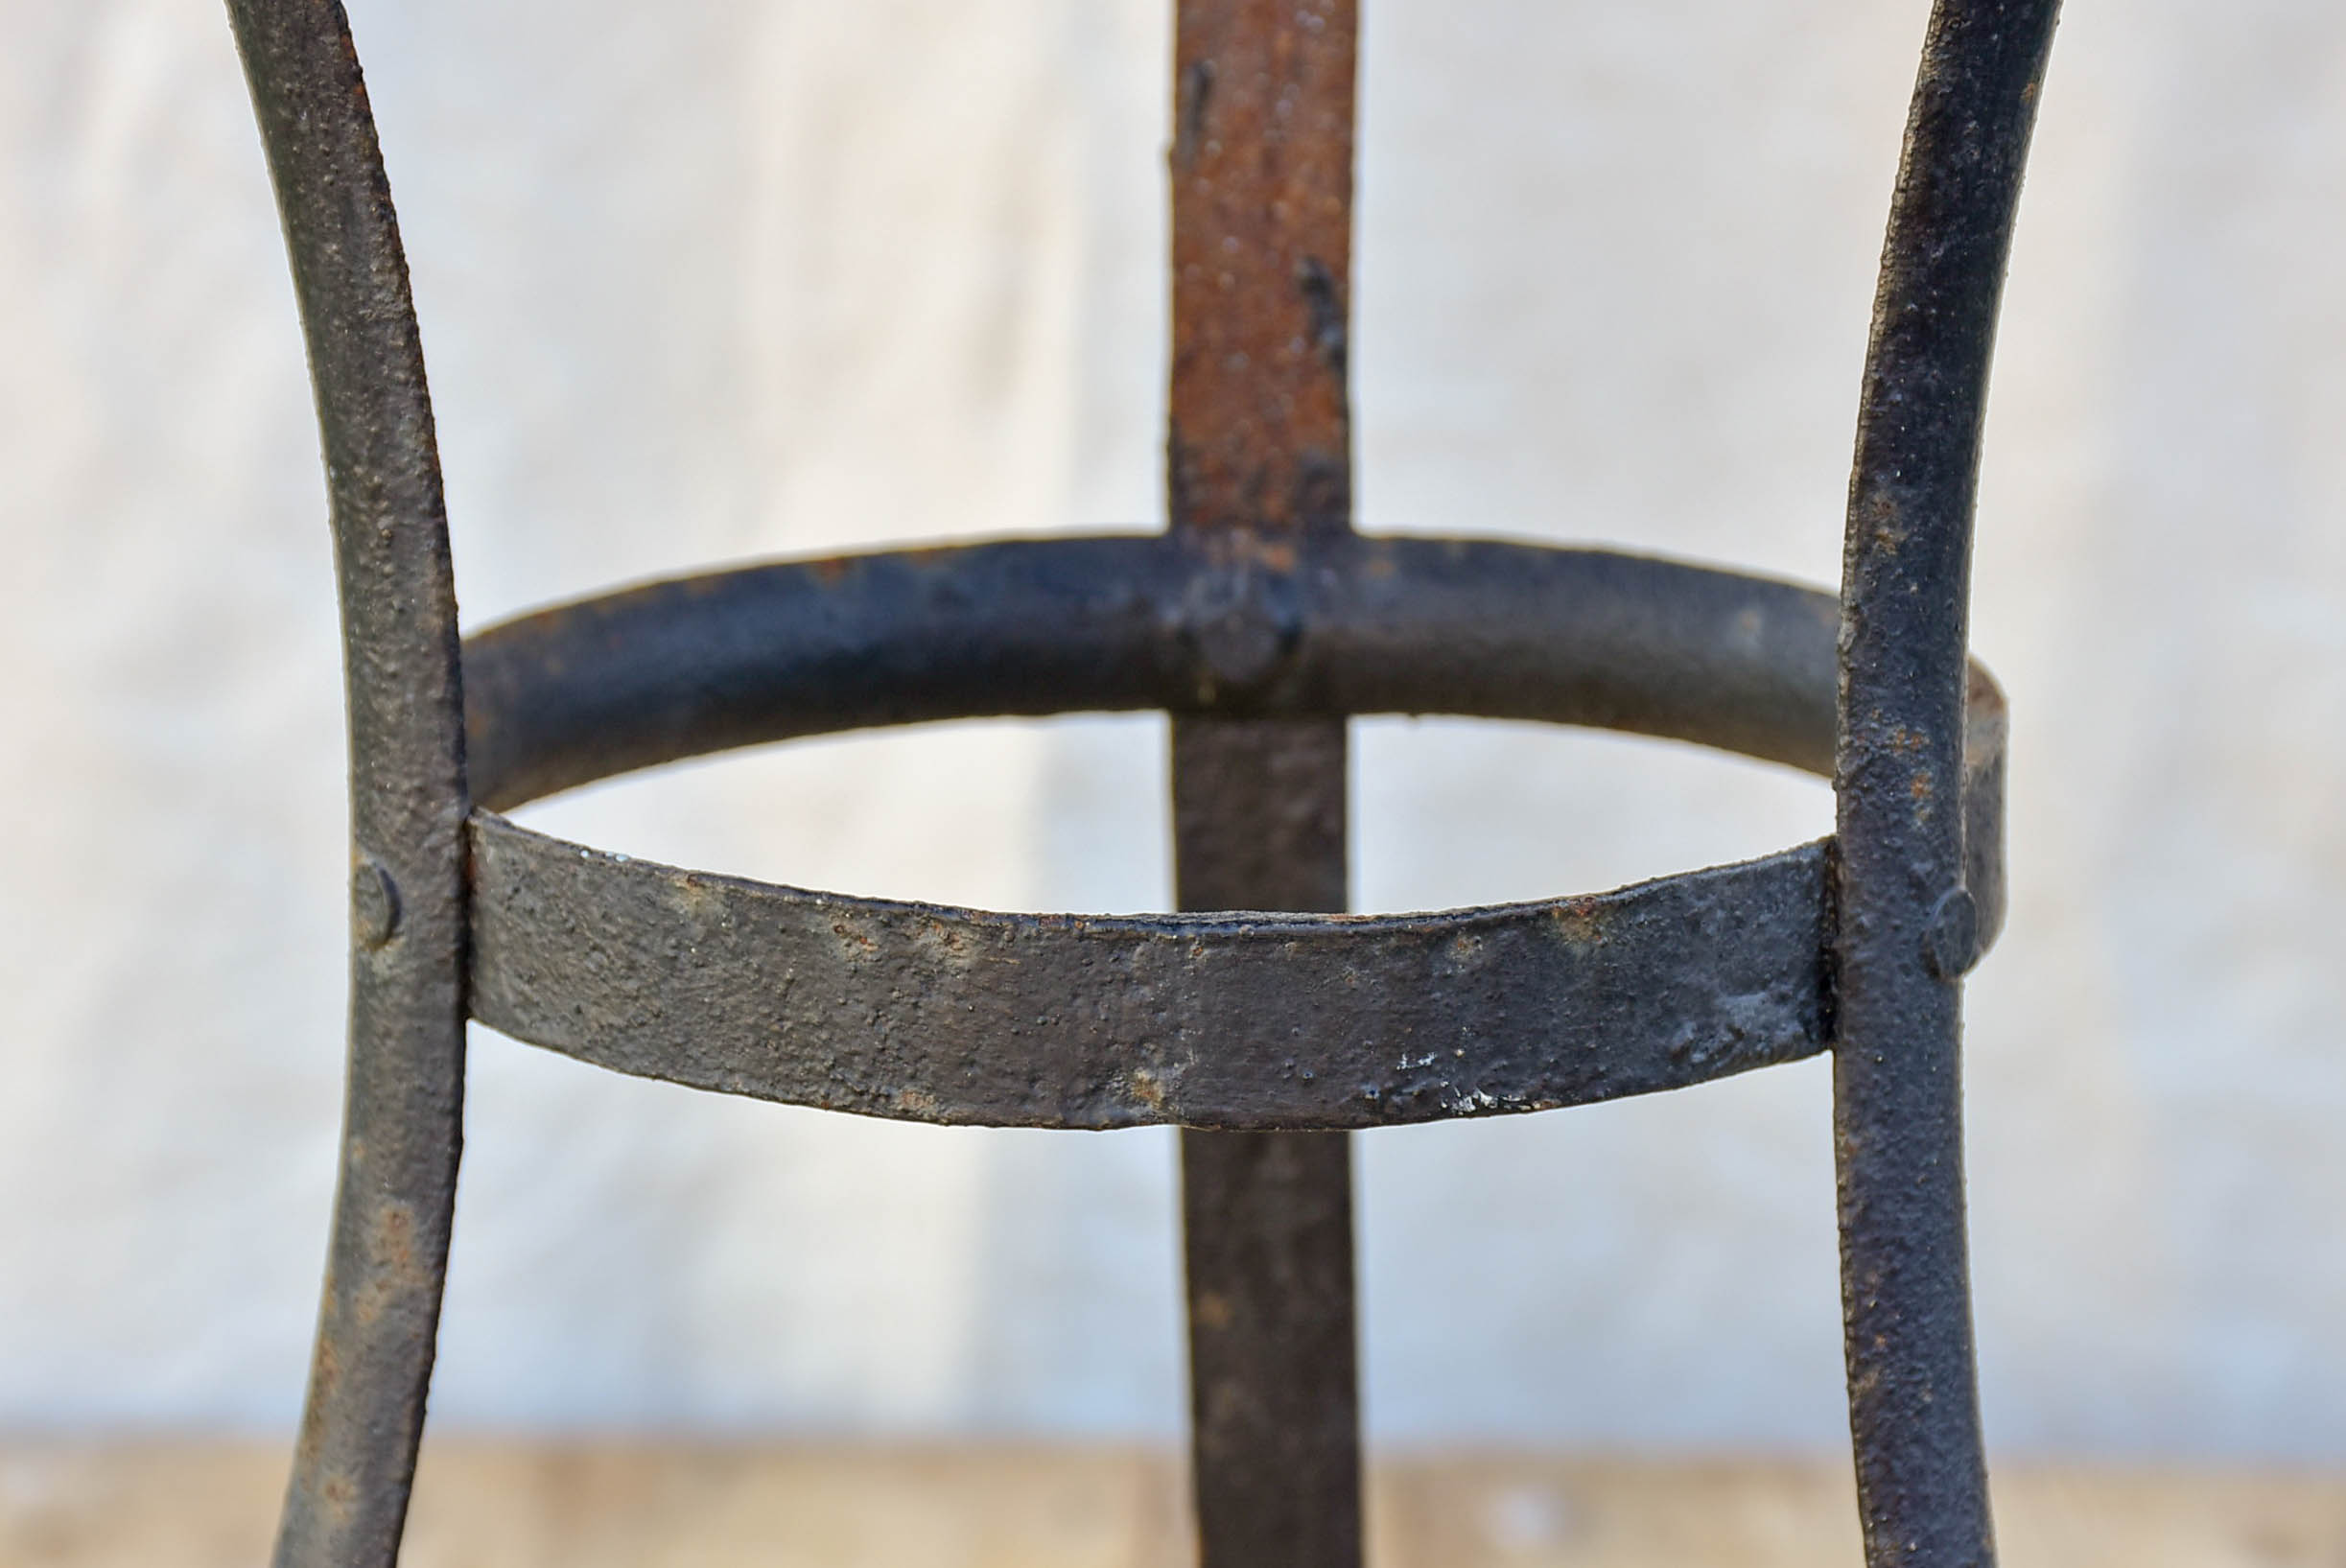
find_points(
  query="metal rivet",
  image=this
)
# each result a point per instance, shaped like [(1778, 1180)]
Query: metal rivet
[(374, 902), (1244, 626), (1950, 942)]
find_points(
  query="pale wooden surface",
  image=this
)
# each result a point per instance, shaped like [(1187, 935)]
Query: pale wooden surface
[(166, 1504)]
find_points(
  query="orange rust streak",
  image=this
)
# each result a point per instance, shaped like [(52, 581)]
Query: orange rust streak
[(1261, 424)]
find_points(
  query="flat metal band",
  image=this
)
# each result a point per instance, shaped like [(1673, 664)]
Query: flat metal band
[(932, 1014), (926, 1013)]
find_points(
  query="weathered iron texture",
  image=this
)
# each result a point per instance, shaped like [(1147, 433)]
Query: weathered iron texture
[(403, 1116), (1259, 467), (1093, 1021), (1908, 919), (1385, 624), (1261, 622), (1273, 1371), (1298, 1021), (1259, 445)]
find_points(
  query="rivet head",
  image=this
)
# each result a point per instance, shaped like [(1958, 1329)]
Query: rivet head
[(374, 902), (1951, 940), (1244, 626)]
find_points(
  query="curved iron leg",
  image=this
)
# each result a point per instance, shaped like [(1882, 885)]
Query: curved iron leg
[(1907, 927), (403, 1114)]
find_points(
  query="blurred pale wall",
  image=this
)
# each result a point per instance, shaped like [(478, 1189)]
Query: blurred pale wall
[(712, 279)]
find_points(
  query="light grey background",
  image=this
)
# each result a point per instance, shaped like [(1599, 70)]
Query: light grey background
[(712, 280)]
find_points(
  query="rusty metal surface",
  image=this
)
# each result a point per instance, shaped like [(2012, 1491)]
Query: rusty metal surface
[(1208, 1020), (915, 1010), (1374, 625), (1261, 622), (1258, 460), (1907, 920), (403, 1113), (943, 1014), (1258, 437)]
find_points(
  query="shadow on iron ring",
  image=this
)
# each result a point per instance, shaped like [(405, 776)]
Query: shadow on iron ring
[(932, 1014)]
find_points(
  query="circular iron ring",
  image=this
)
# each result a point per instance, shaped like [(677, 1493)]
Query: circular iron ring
[(934, 1014)]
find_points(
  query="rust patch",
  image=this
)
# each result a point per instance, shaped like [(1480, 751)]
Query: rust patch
[(391, 1238), (325, 1375), (1260, 423), (338, 1496), (1878, 516), (944, 942), (389, 1270), (700, 901), (1270, 553), (1149, 1089), (1581, 922), (856, 945)]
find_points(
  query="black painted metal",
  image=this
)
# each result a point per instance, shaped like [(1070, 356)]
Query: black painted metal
[(1361, 626), (899, 1009), (926, 1013), (403, 1116), (1262, 624), (1904, 936), (1260, 822), (1274, 1375)]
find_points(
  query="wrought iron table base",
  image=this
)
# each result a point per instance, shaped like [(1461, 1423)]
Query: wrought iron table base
[(1261, 621)]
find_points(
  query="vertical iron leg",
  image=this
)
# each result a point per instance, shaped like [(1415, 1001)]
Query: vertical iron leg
[(1267, 1217), (1257, 467)]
